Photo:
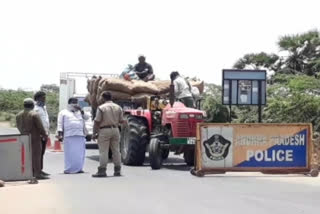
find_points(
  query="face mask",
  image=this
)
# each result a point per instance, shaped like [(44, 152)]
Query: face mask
[(40, 103), (73, 107)]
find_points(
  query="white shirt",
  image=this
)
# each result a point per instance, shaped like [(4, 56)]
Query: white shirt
[(71, 123), (181, 88), (42, 111)]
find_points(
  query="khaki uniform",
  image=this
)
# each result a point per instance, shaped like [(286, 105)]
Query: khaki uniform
[(109, 116), (29, 122)]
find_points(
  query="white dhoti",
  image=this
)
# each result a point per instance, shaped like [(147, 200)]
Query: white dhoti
[(74, 153)]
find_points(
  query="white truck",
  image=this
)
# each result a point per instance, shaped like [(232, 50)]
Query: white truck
[(74, 85)]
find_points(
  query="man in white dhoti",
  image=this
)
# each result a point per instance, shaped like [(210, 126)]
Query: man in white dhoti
[(71, 129)]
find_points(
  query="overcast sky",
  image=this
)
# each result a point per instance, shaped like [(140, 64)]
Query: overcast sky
[(40, 39)]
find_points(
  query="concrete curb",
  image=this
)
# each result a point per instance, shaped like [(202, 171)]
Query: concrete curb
[(1, 183)]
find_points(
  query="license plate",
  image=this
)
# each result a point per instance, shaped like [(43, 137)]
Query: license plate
[(191, 141)]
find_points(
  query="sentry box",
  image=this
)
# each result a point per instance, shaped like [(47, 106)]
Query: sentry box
[(244, 87), (266, 148)]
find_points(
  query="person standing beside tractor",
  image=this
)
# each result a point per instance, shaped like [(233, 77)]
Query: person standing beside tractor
[(72, 131), (106, 130), (182, 90), (41, 109), (29, 123), (144, 70)]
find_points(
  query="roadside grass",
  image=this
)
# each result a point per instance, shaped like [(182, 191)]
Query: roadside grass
[(8, 117)]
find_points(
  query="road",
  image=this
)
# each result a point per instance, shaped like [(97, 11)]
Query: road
[(169, 190)]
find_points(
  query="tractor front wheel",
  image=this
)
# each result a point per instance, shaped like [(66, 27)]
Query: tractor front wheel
[(155, 154)]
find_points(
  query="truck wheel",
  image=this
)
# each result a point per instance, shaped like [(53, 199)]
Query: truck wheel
[(189, 157), (134, 138), (155, 154)]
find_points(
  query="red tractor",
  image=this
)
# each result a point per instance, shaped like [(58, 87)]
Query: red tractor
[(160, 128)]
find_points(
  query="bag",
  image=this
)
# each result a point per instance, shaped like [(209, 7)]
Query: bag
[(129, 74), (195, 93)]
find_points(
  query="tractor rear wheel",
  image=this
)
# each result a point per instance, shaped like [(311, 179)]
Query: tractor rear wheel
[(134, 138), (189, 157), (155, 154)]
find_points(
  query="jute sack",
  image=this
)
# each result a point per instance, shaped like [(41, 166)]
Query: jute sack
[(162, 85), (117, 85), (90, 85), (199, 85), (141, 99), (118, 95), (96, 85), (140, 86), (88, 99)]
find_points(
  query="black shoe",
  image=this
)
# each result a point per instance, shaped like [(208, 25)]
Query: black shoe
[(44, 173), (81, 171), (101, 173), (33, 181), (41, 177), (97, 175), (117, 171), (117, 174)]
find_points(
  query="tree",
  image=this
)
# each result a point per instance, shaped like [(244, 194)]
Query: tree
[(50, 88), (11, 102), (303, 53), (293, 93), (302, 56), (216, 112), (295, 101), (258, 61)]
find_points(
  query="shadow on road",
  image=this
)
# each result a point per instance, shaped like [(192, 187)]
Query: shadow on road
[(172, 163), (91, 146)]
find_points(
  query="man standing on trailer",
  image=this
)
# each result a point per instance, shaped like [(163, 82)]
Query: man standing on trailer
[(182, 90), (106, 130)]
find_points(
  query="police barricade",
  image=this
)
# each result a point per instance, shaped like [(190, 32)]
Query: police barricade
[(15, 157), (266, 148)]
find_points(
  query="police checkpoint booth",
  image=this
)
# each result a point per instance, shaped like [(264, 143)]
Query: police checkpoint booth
[(15, 156)]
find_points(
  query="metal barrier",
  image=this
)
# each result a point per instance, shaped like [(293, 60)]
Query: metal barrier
[(266, 148), (15, 157)]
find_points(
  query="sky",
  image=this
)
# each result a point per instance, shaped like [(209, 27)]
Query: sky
[(41, 38)]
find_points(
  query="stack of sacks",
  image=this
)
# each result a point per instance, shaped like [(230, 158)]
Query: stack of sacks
[(136, 91)]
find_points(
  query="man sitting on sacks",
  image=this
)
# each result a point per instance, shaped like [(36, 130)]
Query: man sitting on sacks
[(144, 70)]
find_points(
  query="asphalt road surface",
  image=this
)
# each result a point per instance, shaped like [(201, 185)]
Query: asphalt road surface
[(169, 190)]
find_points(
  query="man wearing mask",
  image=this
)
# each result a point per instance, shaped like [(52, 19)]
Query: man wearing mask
[(41, 109), (29, 123), (72, 131), (182, 90), (144, 70)]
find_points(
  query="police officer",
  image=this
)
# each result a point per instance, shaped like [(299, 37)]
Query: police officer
[(106, 123), (29, 123)]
